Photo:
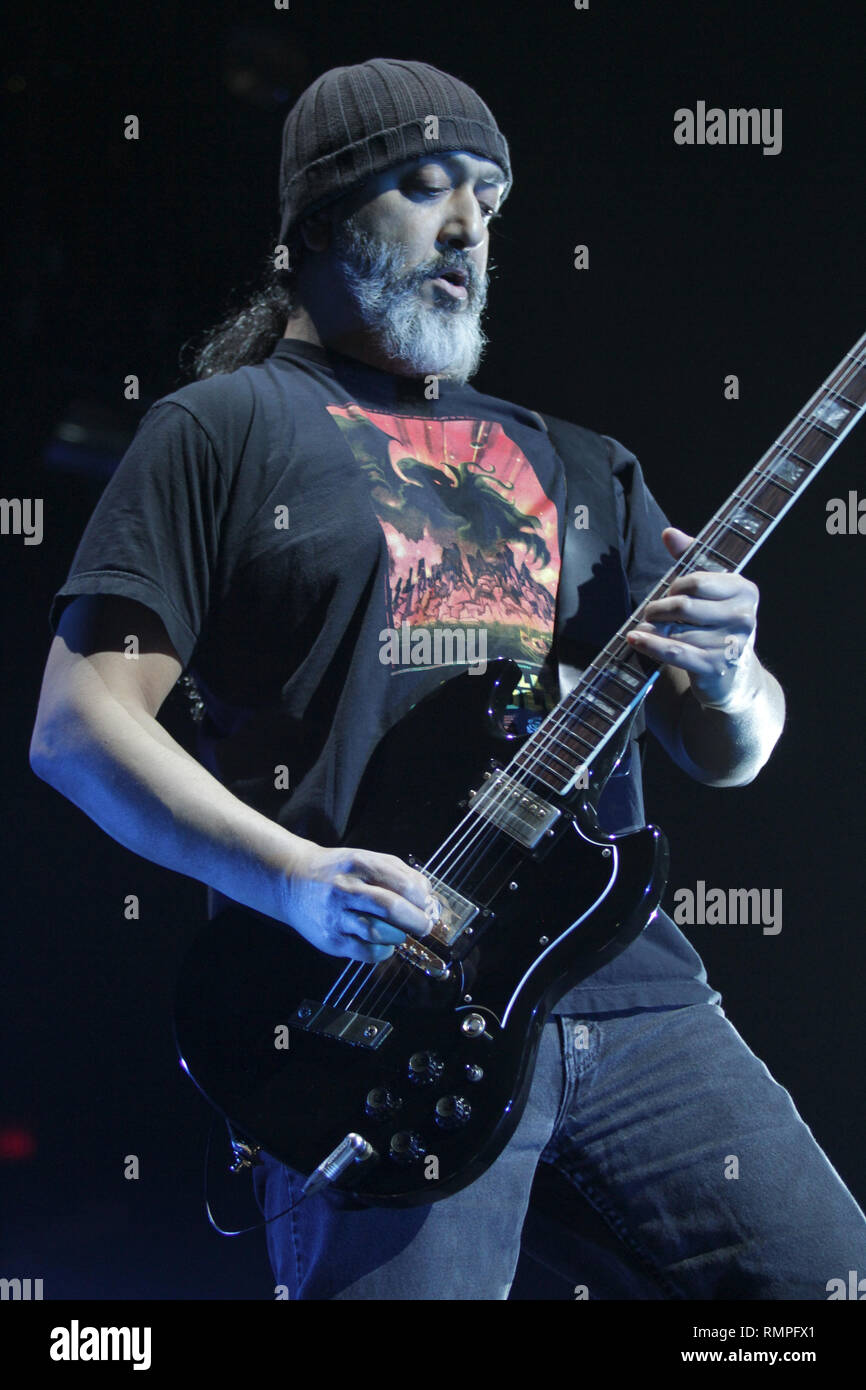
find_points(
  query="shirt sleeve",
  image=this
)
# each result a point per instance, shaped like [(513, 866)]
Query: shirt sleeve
[(154, 534), (641, 522)]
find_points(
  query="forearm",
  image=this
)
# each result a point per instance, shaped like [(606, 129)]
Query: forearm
[(126, 772), (727, 747)]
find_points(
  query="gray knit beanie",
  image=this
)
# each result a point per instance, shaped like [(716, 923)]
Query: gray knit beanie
[(354, 122)]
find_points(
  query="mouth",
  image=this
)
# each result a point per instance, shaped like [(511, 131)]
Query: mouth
[(453, 282)]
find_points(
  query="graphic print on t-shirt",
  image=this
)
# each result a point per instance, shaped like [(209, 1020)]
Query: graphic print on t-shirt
[(473, 539)]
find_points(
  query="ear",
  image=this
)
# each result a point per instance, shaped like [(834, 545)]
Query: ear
[(316, 231)]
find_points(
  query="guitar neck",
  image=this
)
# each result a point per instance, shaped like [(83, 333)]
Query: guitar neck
[(614, 684)]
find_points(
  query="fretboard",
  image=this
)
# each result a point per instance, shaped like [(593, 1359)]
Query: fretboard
[(615, 683)]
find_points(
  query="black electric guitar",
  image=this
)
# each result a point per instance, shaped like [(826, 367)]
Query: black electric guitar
[(411, 1076)]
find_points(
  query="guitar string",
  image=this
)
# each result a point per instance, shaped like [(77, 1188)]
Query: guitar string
[(718, 526), (716, 531), (559, 718), (562, 720), (720, 523), (758, 479)]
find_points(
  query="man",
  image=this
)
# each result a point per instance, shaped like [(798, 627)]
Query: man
[(330, 479)]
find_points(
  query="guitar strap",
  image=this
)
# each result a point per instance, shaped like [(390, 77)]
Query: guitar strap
[(593, 598)]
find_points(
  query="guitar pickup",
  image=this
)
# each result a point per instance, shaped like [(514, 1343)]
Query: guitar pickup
[(350, 1027), (516, 810), (456, 912)]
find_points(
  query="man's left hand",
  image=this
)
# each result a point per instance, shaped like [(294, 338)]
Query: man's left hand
[(706, 626)]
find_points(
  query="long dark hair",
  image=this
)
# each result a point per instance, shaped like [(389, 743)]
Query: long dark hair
[(250, 330)]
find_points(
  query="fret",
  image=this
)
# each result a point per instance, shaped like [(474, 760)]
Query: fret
[(791, 469), (817, 425), (600, 707), (799, 457), (563, 736), (855, 387), (612, 692), (844, 370), (771, 516), (813, 446), (549, 751), (558, 776), (576, 735), (831, 413), (618, 679), (539, 759), (780, 487), (591, 744), (516, 766), (769, 495), (736, 547), (746, 523), (626, 677), (717, 554), (727, 560), (580, 725), (706, 562)]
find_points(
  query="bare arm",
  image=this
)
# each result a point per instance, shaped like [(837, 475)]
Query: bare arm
[(717, 711), (98, 742), (718, 747)]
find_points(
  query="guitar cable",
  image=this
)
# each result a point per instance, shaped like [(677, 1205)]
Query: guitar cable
[(242, 1230), (352, 1149)]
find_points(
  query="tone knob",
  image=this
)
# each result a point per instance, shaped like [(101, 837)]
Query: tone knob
[(452, 1112), (406, 1147), (474, 1025), (381, 1103), (425, 1068)]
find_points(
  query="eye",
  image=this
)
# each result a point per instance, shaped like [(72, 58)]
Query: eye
[(427, 190), (418, 187)]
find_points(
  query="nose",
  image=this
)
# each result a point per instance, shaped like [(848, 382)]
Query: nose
[(462, 224)]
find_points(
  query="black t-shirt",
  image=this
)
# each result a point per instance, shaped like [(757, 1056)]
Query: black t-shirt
[(304, 528)]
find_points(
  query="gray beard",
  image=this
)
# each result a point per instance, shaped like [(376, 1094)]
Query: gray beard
[(444, 339)]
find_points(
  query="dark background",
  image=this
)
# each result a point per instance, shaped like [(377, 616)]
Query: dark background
[(703, 262)]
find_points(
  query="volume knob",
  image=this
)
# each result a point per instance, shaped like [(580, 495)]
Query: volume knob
[(406, 1147), (452, 1112), (381, 1103), (425, 1068)]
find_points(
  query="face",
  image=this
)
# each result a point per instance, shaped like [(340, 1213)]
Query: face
[(438, 209), (411, 248)]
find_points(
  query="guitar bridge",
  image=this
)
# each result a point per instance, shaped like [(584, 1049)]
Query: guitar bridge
[(345, 1024), (422, 958)]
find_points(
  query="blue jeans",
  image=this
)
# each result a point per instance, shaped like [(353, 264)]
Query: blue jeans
[(656, 1159)]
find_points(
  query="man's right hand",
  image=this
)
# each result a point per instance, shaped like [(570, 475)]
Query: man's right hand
[(354, 902), (98, 741)]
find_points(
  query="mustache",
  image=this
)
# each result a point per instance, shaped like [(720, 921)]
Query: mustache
[(373, 258), (441, 265)]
